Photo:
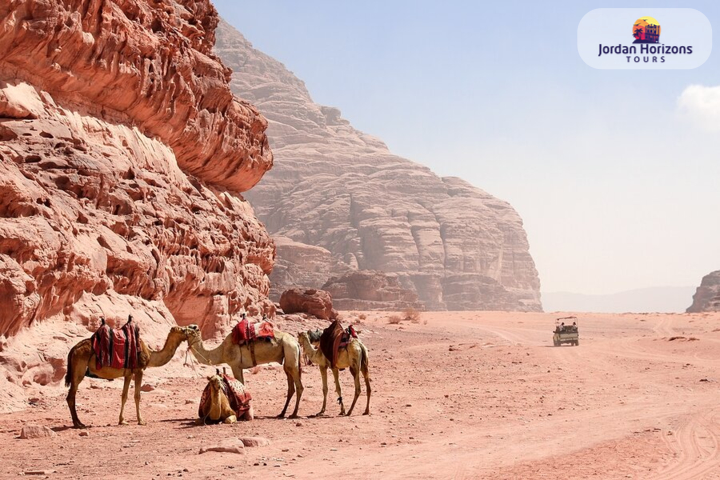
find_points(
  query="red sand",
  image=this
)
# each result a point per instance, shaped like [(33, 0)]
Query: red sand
[(466, 395)]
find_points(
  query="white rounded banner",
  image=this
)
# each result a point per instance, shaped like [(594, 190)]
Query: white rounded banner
[(644, 38)]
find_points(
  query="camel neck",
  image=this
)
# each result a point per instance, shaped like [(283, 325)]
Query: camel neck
[(205, 356), (160, 358), (310, 351)]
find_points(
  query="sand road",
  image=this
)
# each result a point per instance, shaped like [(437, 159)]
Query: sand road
[(465, 395)]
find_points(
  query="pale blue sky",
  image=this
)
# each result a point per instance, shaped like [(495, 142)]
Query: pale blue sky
[(618, 189)]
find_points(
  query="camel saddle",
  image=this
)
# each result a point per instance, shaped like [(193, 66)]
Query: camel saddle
[(117, 348), (333, 339), (238, 397), (247, 333)]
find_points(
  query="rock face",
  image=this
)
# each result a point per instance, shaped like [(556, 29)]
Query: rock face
[(314, 302), (707, 296), (300, 264), (337, 188), (370, 290), (121, 151)]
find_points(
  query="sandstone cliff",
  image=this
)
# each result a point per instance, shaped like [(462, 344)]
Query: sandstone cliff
[(339, 189), (122, 149), (707, 296), (370, 290)]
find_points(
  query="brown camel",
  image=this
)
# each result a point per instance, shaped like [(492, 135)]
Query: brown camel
[(219, 409), (284, 349), (81, 360), (354, 356)]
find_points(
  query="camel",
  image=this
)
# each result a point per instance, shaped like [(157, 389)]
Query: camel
[(219, 409), (284, 349), (354, 356), (81, 360)]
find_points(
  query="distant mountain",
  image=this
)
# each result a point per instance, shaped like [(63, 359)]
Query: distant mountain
[(651, 299), (343, 202)]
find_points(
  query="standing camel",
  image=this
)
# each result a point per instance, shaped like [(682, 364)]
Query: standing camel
[(284, 349), (81, 359), (354, 356)]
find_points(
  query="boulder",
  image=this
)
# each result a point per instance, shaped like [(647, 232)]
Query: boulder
[(36, 431), (314, 302)]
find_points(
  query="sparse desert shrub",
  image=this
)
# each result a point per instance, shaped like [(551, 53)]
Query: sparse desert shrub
[(394, 320), (362, 316), (412, 314)]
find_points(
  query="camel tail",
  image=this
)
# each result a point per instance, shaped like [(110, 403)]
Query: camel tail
[(68, 374), (364, 361), (300, 357)]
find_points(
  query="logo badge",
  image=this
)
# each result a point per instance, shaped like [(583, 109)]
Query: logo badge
[(605, 39), (646, 30)]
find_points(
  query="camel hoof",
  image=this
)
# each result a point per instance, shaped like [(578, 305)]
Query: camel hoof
[(294, 415), (282, 415), (79, 425), (366, 412), (122, 422), (142, 422)]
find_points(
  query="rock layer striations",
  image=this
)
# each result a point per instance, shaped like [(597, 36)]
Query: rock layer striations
[(339, 189), (122, 149)]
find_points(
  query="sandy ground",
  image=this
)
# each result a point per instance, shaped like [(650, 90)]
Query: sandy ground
[(459, 395)]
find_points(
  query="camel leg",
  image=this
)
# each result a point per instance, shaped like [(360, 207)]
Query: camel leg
[(290, 393), (336, 375), (138, 384), (78, 374), (238, 373), (323, 375), (294, 373), (126, 387), (368, 390), (356, 377)]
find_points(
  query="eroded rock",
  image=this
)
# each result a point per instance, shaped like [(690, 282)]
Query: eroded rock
[(314, 302)]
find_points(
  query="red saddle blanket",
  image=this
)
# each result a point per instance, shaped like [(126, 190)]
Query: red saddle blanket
[(117, 348), (238, 397), (245, 332), (333, 339)]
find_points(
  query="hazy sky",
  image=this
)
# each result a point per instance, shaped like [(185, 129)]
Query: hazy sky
[(615, 173)]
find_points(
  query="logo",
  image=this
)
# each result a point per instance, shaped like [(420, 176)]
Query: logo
[(604, 42), (646, 30)]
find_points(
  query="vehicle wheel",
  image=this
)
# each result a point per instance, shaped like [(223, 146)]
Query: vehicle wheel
[(556, 343), (577, 342)]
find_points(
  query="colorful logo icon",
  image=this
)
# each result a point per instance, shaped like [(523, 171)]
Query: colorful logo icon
[(646, 30)]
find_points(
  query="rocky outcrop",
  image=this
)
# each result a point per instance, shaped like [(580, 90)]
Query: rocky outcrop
[(707, 296), (122, 148), (370, 290), (336, 188), (143, 63), (317, 303), (300, 264)]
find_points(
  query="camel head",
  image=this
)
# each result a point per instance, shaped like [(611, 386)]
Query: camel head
[(215, 382), (178, 331), (314, 336), (193, 334)]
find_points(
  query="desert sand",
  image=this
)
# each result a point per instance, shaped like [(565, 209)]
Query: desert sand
[(458, 395)]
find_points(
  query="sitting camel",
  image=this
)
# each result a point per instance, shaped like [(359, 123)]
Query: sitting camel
[(284, 349), (218, 408), (354, 356), (82, 360)]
